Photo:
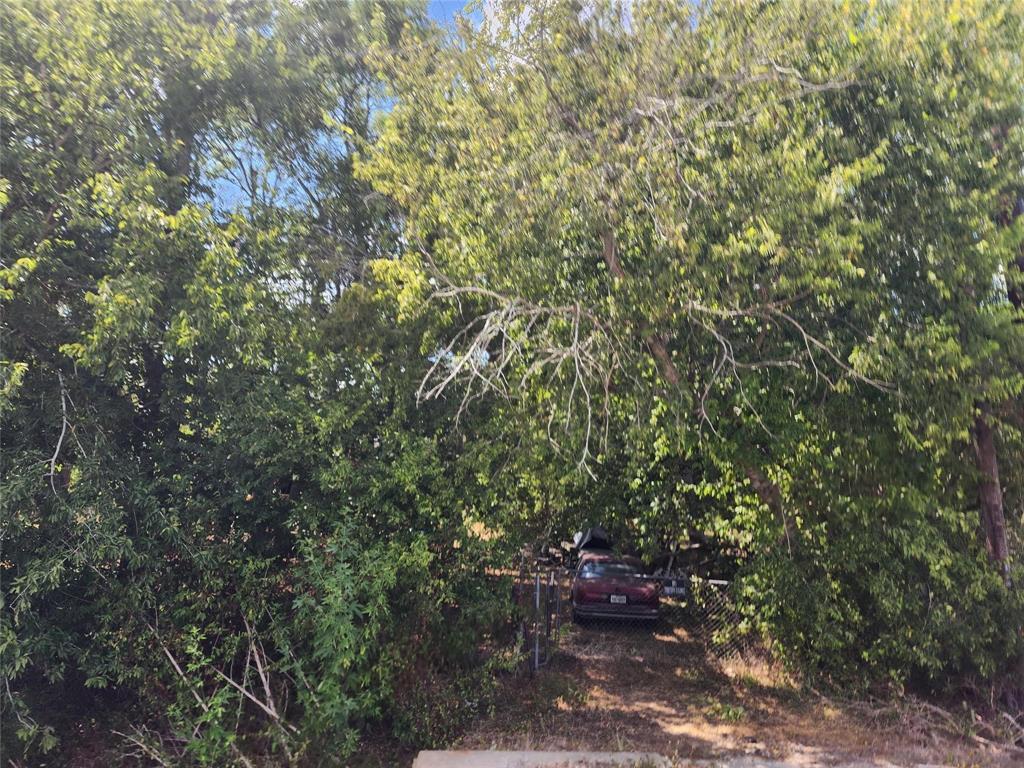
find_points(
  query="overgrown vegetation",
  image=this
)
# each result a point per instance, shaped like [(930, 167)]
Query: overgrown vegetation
[(316, 314)]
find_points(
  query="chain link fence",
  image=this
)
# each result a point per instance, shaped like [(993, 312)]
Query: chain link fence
[(703, 609), (542, 596)]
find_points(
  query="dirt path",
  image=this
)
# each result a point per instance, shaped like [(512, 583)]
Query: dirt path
[(613, 688)]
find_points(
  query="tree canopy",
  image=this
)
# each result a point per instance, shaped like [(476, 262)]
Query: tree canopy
[(771, 243)]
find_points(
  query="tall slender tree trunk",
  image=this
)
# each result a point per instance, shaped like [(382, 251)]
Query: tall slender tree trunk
[(1016, 292), (990, 493), (771, 496), (768, 492), (654, 342)]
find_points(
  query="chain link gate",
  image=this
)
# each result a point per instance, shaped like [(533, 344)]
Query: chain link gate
[(545, 615)]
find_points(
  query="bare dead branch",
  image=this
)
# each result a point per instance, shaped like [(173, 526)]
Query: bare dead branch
[(203, 705), (63, 431)]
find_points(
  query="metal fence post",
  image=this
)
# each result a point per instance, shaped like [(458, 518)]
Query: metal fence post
[(550, 602), (536, 622), (558, 603)]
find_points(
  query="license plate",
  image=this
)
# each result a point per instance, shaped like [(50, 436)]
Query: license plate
[(619, 599)]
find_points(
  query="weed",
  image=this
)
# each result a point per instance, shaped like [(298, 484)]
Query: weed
[(728, 713)]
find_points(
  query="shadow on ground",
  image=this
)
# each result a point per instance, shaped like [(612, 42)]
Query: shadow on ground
[(624, 687)]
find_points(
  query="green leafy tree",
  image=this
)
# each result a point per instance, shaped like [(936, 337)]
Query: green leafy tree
[(221, 509), (762, 240)]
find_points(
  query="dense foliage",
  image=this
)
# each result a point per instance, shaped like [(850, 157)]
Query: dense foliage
[(316, 314), (213, 463), (756, 262)]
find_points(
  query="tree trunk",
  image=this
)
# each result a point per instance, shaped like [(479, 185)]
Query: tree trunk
[(769, 493), (654, 342), (1016, 290), (771, 496), (990, 493)]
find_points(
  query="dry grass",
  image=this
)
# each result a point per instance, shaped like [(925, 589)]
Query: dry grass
[(611, 688)]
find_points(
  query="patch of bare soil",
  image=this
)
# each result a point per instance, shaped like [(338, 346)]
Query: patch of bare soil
[(622, 689)]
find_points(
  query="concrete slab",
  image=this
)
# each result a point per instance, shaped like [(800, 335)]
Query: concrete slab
[(498, 759)]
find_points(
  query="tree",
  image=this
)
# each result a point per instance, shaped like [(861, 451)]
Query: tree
[(184, 513), (753, 237)]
